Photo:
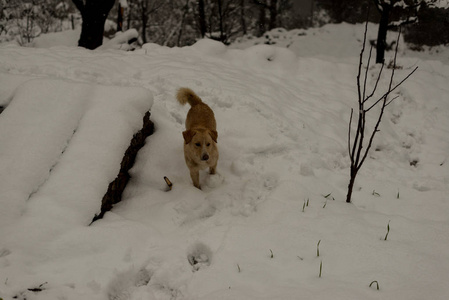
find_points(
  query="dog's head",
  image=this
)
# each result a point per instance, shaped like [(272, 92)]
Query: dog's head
[(201, 143)]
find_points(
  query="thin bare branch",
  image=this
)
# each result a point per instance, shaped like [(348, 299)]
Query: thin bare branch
[(375, 130), (377, 82), (358, 164), (358, 140), (384, 98), (394, 61), (366, 73), (349, 137), (391, 90), (361, 63), (389, 102)]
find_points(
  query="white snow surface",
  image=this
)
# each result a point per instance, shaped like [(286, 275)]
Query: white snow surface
[(256, 228)]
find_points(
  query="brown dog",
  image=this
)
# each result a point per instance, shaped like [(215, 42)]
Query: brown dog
[(200, 137)]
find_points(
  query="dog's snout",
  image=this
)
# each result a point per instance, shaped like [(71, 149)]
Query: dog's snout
[(205, 156)]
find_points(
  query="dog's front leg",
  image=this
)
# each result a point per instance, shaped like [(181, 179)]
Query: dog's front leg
[(195, 178), (213, 169)]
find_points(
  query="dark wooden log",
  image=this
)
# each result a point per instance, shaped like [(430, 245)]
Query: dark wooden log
[(116, 187)]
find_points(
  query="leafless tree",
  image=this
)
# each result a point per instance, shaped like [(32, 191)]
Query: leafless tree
[(202, 18), (145, 9), (272, 7), (408, 14), (358, 147)]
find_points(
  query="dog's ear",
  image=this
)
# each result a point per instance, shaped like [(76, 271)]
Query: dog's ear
[(188, 135), (214, 135)]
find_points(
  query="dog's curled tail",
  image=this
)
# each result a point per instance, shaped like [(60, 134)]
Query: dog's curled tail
[(186, 95)]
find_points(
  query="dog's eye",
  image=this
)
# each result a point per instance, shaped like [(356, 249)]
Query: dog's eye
[(208, 144), (197, 144)]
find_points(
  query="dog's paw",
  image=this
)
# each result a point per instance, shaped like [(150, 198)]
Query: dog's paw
[(214, 180)]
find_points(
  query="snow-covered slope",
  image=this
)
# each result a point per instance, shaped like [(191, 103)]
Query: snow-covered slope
[(257, 227), (339, 43)]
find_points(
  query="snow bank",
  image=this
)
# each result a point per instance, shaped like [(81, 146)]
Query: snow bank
[(258, 57), (62, 143), (67, 38), (35, 130)]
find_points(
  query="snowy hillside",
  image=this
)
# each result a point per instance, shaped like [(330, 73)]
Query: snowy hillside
[(269, 223), (345, 40)]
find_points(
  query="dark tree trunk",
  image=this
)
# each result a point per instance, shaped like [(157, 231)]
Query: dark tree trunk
[(312, 12), (220, 15), (273, 14), (242, 17), (272, 8), (144, 19), (184, 15), (119, 18), (202, 18), (261, 22), (382, 34), (94, 14)]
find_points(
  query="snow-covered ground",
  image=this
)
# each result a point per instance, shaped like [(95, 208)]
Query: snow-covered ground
[(278, 201)]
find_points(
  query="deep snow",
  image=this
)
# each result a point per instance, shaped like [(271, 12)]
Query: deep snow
[(282, 117)]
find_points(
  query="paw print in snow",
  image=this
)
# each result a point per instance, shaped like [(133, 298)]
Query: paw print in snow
[(199, 256)]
